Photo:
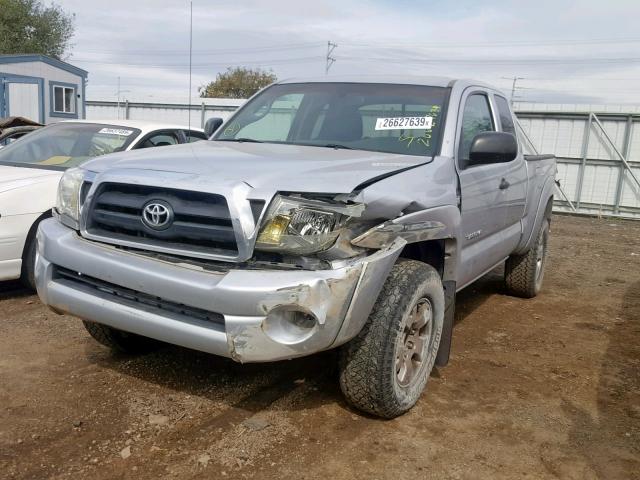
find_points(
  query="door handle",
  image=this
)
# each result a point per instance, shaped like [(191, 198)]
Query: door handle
[(504, 184)]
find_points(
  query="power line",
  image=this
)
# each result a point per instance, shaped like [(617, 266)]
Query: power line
[(494, 61), (280, 61), (509, 43), (216, 51)]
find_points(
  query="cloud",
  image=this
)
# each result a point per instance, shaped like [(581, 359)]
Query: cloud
[(566, 50)]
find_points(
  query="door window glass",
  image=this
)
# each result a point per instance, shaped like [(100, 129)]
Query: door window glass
[(476, 119), (194, 136), (160, 140)]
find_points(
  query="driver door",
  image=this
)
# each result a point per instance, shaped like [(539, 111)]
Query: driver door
[(481, 190)]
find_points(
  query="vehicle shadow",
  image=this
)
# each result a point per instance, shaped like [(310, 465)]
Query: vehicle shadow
[(217, 378), (608, 441), (473, 296), (14, 289), (254, 387)]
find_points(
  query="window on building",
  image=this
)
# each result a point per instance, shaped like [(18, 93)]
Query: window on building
[(64, 99)]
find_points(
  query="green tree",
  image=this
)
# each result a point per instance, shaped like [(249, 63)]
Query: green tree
[(238, 82), (28, 26)]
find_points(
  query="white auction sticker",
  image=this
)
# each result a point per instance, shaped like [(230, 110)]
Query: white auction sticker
[(116, 131), (404, 123)]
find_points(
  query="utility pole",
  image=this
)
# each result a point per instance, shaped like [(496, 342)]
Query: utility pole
[(329, 59), (118, 93), (513, 86), (190, 64)]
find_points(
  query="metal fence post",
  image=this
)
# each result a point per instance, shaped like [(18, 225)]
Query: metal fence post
[(126, 109), (626, 147), (202, 114), (583, 164)]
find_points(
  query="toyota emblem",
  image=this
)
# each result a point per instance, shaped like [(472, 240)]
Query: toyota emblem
[(157, 215)]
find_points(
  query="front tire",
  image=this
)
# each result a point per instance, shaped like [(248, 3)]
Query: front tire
[(118, 340), (523, 274), (385, 368)]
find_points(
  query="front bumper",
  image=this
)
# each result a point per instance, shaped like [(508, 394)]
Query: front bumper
[(250, 302)]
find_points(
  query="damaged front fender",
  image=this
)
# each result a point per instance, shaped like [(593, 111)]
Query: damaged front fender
[(387, 232)]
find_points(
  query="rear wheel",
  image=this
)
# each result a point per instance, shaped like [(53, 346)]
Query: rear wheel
[(119, 340), (523, 274), (385, 368)]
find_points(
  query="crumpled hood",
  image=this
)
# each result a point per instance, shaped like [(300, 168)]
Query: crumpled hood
[(18, 177), (262, 165)]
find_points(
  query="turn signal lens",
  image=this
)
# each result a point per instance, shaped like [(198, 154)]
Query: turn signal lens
[(273, 231)]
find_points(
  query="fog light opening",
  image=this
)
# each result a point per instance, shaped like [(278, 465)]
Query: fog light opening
[(288, 325)]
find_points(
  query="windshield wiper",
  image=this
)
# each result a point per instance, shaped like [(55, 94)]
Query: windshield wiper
[(337, 146), (240, 140)]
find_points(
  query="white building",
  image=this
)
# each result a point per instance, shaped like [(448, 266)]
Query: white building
[(41, 88)]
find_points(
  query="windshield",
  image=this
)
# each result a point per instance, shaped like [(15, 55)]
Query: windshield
[(404, 119), (64, 145)]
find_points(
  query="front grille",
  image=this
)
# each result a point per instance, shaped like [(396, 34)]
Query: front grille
[(133, 298), (201, 223)]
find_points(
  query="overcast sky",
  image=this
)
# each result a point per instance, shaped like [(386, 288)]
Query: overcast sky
[(585, 51)]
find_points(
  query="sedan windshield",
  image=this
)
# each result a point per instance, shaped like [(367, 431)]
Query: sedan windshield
[(63, 145), (402, 119)]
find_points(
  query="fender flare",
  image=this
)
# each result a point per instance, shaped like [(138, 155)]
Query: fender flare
[(542, 211), (437, 223)]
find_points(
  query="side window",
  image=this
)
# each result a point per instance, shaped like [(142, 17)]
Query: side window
[(161, 139), (506, 120), (476, 119), (194, 136)]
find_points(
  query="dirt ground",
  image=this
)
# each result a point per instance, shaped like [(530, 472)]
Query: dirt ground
[(537, 389)]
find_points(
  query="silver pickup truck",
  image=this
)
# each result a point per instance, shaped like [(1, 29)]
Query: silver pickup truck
[(326, 212)]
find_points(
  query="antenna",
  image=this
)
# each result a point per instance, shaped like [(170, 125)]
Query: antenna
[(190, 64), (329, 59), (513, 86)]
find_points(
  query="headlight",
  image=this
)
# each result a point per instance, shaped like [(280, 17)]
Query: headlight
[(68, 202), (302, 226)]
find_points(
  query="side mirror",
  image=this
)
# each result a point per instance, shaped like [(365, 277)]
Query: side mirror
[(212, 125), (492, 147)]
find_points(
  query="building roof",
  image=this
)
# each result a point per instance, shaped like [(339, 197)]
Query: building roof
[(4, 59)]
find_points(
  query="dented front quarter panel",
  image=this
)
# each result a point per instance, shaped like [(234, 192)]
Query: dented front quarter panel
[(340, 299)]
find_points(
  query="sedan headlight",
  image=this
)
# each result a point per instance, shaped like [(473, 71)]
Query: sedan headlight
[(302, 226), (68, 202)]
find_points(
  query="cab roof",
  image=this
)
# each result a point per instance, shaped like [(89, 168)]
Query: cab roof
[(431, 81)]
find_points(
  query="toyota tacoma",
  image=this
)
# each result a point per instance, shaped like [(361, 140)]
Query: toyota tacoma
[(326, 212)]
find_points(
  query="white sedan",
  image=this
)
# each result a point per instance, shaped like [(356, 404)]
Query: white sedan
[(31, 167)]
